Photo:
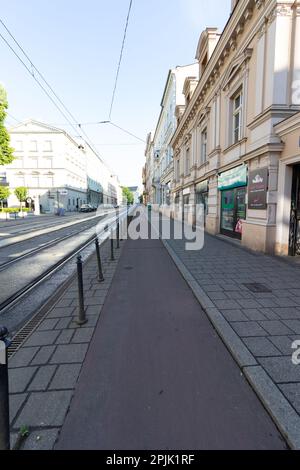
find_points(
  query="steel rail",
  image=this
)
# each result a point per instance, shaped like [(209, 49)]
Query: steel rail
[(104, 234)]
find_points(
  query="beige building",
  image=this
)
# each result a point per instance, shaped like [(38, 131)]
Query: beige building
[(236, 146)]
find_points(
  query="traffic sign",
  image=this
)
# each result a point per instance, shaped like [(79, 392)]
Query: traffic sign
[(63, 192)]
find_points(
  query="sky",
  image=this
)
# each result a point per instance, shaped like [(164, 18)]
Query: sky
[(76, 46)]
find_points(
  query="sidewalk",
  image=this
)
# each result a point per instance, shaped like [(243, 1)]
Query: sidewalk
[(257, 327), (156, 375), (43, 373)]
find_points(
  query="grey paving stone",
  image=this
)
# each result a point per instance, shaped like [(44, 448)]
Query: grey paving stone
[(248, 303), (292, 393), (63, 323), (239, 294), (43, 355), (274, 327), (294, 325), (253, 314), (61, 312), (217, 296), (234, 315), (64, 302), (20, 378), (267, 303), (246, 329), (93, 310), (92, 321), (42, 338), (213, 288), (261, 347), (45, 409), (15, 404), (66, 377), (227, 304), (269, 314), (68, 354), (22, 357), (281, 369), (41, 440), (42, 378), (283, 343), (48, 324), (83, 335), (65, 337), (289, 313), (284, 302), (284, 415)]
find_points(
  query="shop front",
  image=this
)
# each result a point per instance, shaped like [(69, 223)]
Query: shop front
[(233, 187), (294, 242)]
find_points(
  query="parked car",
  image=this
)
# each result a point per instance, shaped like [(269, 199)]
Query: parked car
[(86, 208)]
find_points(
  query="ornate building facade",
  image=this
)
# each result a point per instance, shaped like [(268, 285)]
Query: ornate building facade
[(237, 142)]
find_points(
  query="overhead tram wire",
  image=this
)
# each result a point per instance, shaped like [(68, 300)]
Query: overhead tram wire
[(40, 85), (31, 71), (33, 68), (120, 61)]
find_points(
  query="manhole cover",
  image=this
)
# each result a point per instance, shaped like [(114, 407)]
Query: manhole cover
[(257, 288)]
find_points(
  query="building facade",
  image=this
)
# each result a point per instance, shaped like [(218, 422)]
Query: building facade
[(236, 146), (173, 97), (58, 170)]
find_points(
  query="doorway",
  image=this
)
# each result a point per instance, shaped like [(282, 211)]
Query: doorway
[(233, 210), (294, 242)]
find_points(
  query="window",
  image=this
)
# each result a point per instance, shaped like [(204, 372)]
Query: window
[(47, 146), (33, 181), (177, 170), (33, 146), (19, 146), (31, 162), (204, 146), (46, 162), (187, 162), (237, 103)]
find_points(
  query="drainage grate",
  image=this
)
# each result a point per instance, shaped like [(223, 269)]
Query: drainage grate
[(25, 332), (257, 288)]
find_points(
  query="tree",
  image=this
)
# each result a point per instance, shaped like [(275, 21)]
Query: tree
[(21, 194), (4, 194), (6, 152), (127, 194)]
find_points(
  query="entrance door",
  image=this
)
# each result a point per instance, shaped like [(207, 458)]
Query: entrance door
[(233, 210), (294, 248)]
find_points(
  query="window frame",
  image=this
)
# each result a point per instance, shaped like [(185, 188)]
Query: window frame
[(237, 112)]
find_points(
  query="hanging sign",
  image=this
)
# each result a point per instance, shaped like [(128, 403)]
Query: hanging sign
[(257, 191)]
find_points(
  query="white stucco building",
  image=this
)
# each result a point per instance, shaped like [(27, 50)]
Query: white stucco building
[(58, 170)]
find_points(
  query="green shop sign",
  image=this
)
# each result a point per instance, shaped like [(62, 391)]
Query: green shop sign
[(233, 178)]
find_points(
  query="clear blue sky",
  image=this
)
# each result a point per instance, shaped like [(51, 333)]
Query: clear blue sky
[(76, 45)]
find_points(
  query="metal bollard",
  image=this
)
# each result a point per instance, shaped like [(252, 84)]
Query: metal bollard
[(100, 272), (118, 234), (81, 313), (112, 257), (4, 396)]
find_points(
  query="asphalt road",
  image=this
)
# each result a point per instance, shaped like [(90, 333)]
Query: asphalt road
[(157, 375)]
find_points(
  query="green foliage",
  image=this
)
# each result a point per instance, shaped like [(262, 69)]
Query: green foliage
[(21, 194), (4, 193), (24, 431), (6, 152), (128, 195), (14, 210)]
